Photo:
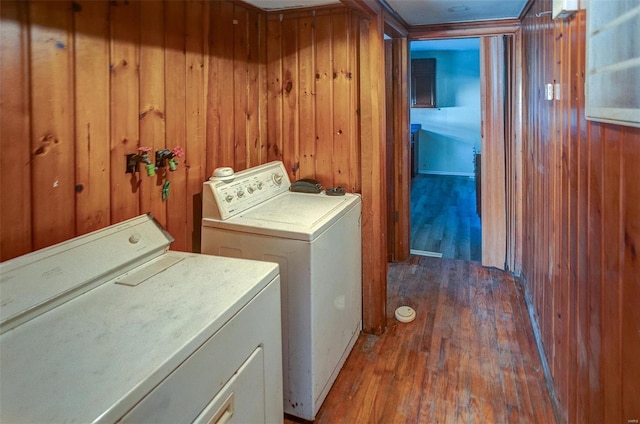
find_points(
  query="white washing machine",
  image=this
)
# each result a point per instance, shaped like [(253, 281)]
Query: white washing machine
[(111, 327), (316, 240)]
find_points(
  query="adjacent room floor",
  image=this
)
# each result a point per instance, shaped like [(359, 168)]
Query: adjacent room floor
[(469, 357), (443, 217)]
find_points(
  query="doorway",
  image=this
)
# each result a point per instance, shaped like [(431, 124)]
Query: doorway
[(500, 182), (446, 148)]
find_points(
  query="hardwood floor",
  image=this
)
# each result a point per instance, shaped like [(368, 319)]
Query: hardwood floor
[(444, 218), (469, 357)]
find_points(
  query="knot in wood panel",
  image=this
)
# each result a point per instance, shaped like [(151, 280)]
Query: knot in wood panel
[(628, 241), (46, 141), (150, 110)]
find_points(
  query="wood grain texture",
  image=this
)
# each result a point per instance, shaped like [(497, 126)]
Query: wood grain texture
[(152, 107), (580, 230), (343, 107), (198, 24), (312, 101), (325, 115), (225, 84), (175, 71), (274, 90), (307, 105), (15, 173), (469, 356), (464, 29), (290, 95), (206, 76), (91, 70), (390, 150), (109, 76), (52, 129), (493, 206), (373, 172), (398, 130), (123, 115)]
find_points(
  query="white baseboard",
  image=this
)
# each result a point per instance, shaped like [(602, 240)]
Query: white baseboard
[(456, 174), (426, 253)]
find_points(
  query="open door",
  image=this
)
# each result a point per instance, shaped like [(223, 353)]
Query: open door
[(492, 96)]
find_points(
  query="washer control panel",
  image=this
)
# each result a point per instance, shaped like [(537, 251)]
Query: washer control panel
[(234, 192)]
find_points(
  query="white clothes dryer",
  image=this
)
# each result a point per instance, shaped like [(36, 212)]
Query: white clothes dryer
[(112, 327), (316, 240)]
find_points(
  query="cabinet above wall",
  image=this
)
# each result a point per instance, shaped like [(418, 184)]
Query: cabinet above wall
[(423, 83)]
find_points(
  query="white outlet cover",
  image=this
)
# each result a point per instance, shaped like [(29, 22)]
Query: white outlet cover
[(549, 92)]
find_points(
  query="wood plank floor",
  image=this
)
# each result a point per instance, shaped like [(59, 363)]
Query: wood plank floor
[(444, 218), (469, 357)]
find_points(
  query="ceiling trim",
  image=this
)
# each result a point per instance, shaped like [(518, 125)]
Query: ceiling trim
[(274, 15), (394, 28), (393, 18), (366, 7), (464, 29)]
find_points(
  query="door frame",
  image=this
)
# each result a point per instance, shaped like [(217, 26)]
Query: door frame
[(504, 124)]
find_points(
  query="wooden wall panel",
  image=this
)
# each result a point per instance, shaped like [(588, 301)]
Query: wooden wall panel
[(52, 145), (342, 106), (198, 19), (290, 93), (224, 84), (91, 69), (15, 172), (152, 107), (581, 229), (630, 276), (306, 101), (231, 85), (257, 101), (106, 78), (240, 87), (274, 90), (398, 148), (324, 100), (373, 172), (312, 101), (175, 71), (125, 129)]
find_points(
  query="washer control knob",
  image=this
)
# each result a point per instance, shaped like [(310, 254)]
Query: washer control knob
[(250, 189), (134, 238), (259, 185), (228, 198), (240, 194), (277, 178)]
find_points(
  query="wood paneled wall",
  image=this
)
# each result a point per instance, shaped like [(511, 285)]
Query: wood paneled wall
[(86, 82), (312, 95), (582, 230), (83, 84)]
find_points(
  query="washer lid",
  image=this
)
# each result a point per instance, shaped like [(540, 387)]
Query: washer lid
[(300, 216)]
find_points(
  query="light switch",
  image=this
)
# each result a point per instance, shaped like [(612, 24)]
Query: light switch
[(549, 91)]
